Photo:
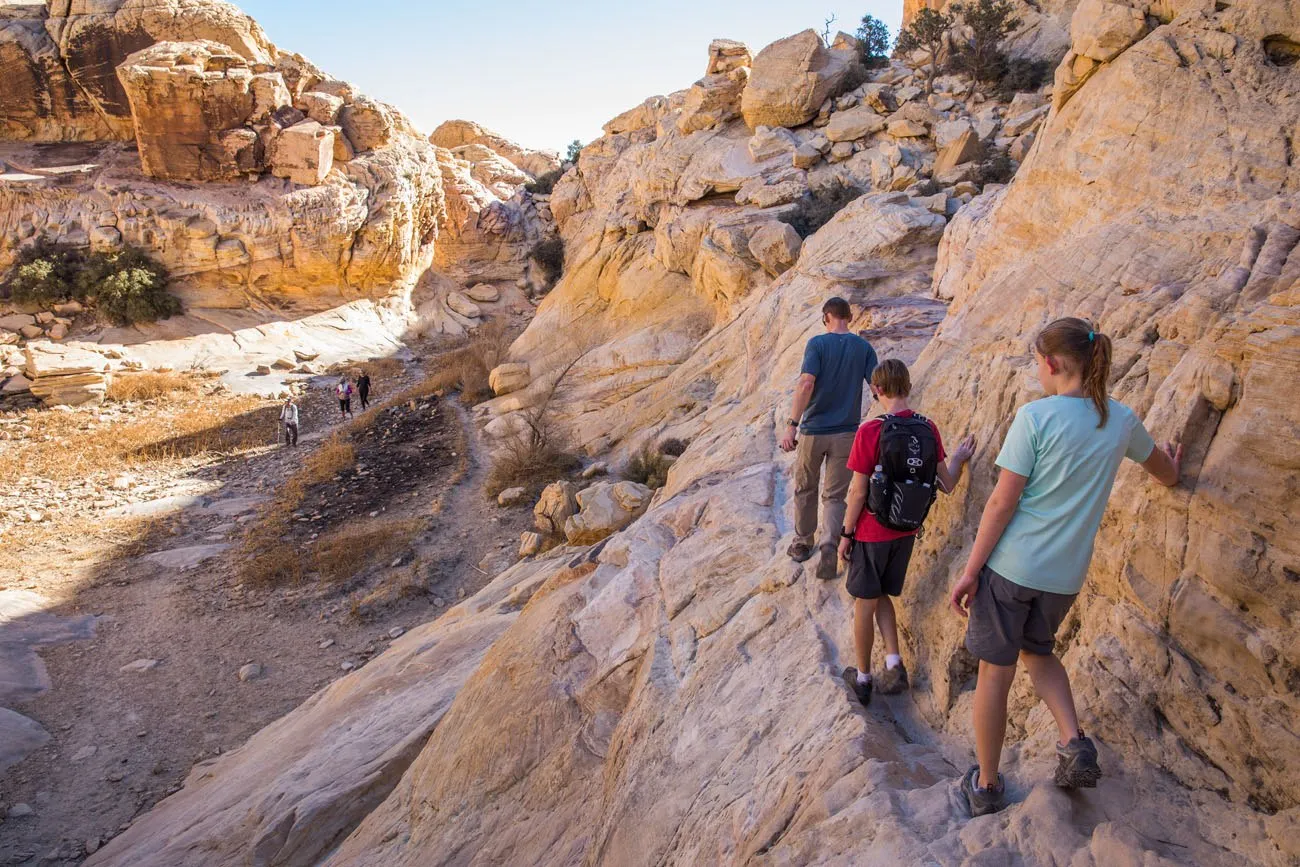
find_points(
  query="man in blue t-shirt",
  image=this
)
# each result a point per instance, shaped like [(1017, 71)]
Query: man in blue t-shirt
[(826, 413)]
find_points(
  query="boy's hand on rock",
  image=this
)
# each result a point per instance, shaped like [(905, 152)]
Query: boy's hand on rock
[(965, 449), (963, 593)]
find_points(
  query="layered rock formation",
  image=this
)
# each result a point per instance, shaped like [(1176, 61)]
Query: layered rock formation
[(670, 696)]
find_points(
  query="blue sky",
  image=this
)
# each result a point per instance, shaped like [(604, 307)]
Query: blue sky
[(542, 74)]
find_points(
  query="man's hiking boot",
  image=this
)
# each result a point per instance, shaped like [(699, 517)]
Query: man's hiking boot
[(861, 690), (799, 552), (894, 680), (982, 802), (1077, 767), (828, 565)]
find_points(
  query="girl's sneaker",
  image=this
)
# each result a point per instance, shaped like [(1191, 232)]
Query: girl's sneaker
[(1077, 766), (861, 690), (980, 801), (893, 680)]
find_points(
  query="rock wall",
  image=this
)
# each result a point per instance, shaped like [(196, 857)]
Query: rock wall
[(670, 696), (58, 59)]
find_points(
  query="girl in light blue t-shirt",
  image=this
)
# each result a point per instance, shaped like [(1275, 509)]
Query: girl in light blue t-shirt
[(1058, 465)]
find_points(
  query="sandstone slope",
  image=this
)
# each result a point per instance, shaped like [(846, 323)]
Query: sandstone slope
[(670, 696)]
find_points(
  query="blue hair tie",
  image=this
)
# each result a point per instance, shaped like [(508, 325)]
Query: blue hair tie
[(1091, 336)]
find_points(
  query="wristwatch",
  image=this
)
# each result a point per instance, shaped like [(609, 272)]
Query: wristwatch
[(791, 422)]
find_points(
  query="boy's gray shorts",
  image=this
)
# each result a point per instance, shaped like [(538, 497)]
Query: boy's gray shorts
[(1006, 618)]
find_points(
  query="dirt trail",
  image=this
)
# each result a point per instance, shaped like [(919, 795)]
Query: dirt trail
[(121, 739)]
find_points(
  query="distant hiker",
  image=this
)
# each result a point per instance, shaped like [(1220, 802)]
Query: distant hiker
[(827, 410), (898, 466), (289, 418), (344, 393), (363, 389), (1058, 465)]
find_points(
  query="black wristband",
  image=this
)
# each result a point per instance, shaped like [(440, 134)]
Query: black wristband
[(846, 534)]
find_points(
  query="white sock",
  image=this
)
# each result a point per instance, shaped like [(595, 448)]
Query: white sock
[(864, 678), (893, 660)]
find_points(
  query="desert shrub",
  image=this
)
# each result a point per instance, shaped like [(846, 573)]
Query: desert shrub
[(340, 555), (147, 385), (874, 36), (466, 368), (997, 169), (549, 256), (332, 457), (673, 446), (529, 458), (1023, 75), (817, 207), (926, 33), (979, 56), (574, 151), (383, 368), (649, 467), (544, 183), (124, 286)]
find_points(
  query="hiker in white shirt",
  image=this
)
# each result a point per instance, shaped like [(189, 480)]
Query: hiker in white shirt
[(289, 419)]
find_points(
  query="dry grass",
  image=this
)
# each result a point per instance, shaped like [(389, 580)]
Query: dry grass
[(383, 368), (329, 459), (466, 368), (400, 585), (342, 554), (148, 385), (62, 446), (528, 459)]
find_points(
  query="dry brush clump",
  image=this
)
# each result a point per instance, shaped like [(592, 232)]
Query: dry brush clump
[(342, 554), (651, 464), (466, 368), (144, 385)]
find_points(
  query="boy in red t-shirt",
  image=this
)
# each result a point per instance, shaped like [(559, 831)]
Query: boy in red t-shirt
[(877, 555)]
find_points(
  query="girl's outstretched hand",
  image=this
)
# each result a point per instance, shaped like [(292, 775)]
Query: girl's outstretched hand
[(1175, 453), (965, 449), (963, 593)]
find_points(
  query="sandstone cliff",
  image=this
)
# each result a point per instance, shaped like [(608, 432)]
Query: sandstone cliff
[(669, 696)]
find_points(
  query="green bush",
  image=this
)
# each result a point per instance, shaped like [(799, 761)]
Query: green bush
[(124, 286), (816, 208), (544, 183), (574, 151), (549, 256), (1023, 75), (979, 56), (874, 36)]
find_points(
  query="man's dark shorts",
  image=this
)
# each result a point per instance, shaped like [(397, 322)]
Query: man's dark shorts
[(878, 568), (1006, 618)]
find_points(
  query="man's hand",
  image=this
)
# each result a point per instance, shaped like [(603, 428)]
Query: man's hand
[(965, 449), (788, 441), (963, 593), (846, 547)]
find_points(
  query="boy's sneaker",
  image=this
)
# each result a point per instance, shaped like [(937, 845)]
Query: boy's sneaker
[(893, 680), (829, 564), (861, 690), (1077, 766), (799, 552), (982, 802)]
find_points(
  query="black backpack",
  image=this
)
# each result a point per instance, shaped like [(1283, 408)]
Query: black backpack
[(901, 495)]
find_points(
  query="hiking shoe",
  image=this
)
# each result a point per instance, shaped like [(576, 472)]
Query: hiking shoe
[(894, 680), (829, 564), (861, 690), (982, 802), (799, 552), (1077, 768)]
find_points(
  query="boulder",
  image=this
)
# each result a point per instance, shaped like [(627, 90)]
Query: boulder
[(462, 305), (1020, 147), (964, 149), (903, 128), (769, 143), (1026, 122), (554, 508), (1102, 29), (367, 123), (484, 293), (323, 108), (15, 322), (854, 124), (712, 101), (775, 246), (805, 156), (791, 78), (508, 377), (269, 95), (530, 543), (948, 131), (65, 375), (191, 102), (726, 55), (303, 153), (511, 496), (604, 509), (455, 133), (880, 97)]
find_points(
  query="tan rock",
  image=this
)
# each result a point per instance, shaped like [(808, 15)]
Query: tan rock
[(508, 377), (323, 108), (367, 123), (462, 305), (269, 95), (604, 509), (455, 133), (484, 293), (712, 101), (303, 153), (1102, 29), (1027, 122), (776, 247), (790, 79), (1019, 149), (530, 543), (769, 143), (880, 97), (726, 55), (805, 156), (903, 128), (966, 148), (554, 508), (854, 124)]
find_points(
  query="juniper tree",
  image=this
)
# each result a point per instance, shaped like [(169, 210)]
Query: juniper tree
[(926, 33)]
